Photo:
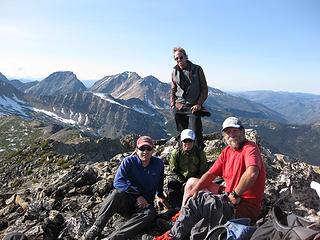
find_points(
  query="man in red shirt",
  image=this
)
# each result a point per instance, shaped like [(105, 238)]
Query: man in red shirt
[(241, 166)]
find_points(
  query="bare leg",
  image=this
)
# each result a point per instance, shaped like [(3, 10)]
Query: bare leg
[(191, 183)]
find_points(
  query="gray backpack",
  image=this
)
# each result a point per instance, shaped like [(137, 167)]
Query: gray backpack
[(283, 226), (15, 236)]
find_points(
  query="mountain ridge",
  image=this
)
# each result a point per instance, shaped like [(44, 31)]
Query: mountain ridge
[(128, 103), (298, 108)]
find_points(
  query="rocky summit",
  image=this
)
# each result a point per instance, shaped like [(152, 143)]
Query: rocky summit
[(53, 190)]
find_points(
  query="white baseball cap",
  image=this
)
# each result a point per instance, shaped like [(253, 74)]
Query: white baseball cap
[(232, 122), (187, 134)]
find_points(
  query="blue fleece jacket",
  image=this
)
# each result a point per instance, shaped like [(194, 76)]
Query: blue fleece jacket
[(135, 179)]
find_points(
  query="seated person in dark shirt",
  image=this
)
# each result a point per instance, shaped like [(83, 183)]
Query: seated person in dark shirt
[(138, 179)]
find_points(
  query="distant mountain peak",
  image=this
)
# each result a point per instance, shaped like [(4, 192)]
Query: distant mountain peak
[(110, 83), (60, 82), (129, 85), (61, 76), (122, 76), (129, 74), (151, 79), (3, 78), (62, 73), (215, 91)]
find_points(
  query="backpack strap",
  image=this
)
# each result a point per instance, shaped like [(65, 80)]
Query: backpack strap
[(217, 233), (317, 237)]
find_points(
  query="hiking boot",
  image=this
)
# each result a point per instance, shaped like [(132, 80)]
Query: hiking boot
[(165, 236), (175, 217), (92, 233), (146, 237), (164, 225)]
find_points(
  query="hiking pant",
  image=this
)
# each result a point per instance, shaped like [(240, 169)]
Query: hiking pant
[(125, 204), (175, 192), (200, 215), (15, 236), (186, 119)]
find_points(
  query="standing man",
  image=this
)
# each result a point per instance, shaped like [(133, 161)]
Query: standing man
[(241, 166), (189, 90), (138, 179)]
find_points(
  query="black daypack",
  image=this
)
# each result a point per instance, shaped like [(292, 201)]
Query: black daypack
[(282, 226)]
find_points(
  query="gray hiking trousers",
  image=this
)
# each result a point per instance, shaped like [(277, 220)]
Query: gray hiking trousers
[(125, 204), (202, 214), (186, 119)]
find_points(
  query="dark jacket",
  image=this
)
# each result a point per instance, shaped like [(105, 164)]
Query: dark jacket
[(188, 86), (135, 179)]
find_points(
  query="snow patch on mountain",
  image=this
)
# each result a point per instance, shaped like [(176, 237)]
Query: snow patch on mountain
[(12, 105), (55, 116), (140, 110), (106, 98), (124, 92), (86, 121)]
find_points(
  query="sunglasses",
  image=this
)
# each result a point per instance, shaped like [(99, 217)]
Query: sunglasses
[(187, 141), (145, 148), (178, 58)]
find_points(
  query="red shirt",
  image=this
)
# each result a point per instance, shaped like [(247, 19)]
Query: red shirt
[(232, 163)]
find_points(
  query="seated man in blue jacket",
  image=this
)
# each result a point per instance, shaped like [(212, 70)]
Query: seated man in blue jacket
[(138, 179)]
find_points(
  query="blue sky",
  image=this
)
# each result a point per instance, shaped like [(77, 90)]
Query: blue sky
[(241, 44)]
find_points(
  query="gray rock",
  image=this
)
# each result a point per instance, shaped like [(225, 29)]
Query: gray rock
[(60, 197)]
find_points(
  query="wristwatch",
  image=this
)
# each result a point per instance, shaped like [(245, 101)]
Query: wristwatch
[(235, 194)]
